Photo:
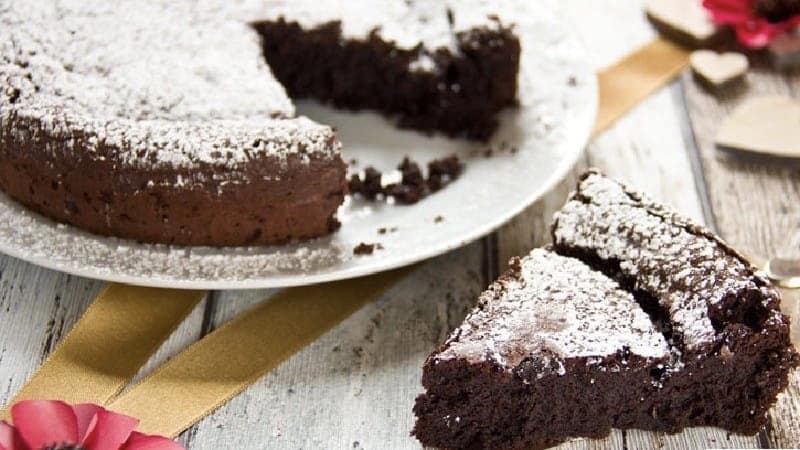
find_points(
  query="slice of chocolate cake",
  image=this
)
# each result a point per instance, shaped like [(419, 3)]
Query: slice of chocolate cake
[(554, 349), (719, 313), (721, 356), (448, 66)]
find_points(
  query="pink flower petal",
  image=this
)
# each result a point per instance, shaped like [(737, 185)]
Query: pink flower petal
[(751, 30), (86, 414), (758, 33), (139, 441), (45, 422), (725, 12), (10, 439), (110, 432)]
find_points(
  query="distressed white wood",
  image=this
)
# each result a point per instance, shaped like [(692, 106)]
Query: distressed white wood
[(355, 386), (37, 308)]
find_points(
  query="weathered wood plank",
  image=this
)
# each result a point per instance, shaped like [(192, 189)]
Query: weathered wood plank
[(755, 202), (354, 387), (37, 308)]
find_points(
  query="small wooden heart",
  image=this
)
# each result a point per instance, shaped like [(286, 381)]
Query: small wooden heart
[(684, 21), (718, 69), (764, 125)]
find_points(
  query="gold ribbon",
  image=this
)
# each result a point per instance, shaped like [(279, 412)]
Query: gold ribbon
[(221, 365), (626, 83), (114, 338), (125, 325)]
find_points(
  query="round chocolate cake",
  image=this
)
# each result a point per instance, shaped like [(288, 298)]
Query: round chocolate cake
[(162, 121)]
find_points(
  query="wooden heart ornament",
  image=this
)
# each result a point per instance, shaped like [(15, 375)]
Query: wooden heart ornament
[(718, 69), (683, 21), (764, 125)]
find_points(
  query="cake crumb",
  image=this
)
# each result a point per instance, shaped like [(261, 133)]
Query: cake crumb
[(366, 249), (370, 186), (438, 219), (442, 172), (413, 186)]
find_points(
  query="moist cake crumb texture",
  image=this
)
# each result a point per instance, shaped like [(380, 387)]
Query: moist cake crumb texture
[(413, 186)]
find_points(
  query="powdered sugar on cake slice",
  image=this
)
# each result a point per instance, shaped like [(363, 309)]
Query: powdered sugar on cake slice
[(683, 265), (552, 308)]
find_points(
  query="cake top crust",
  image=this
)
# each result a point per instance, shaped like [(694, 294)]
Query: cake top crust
[(408, 24), (682, 264), (550, 308), (150, 82)]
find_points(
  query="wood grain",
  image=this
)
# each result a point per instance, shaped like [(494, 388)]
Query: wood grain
[(354, 387), (755, 203), (37, 308)]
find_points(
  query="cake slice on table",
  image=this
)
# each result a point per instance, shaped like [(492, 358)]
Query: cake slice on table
[(554, 349), (638, 318), (720, 315)]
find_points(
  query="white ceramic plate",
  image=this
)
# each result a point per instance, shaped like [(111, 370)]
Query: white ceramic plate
[(535, 146)]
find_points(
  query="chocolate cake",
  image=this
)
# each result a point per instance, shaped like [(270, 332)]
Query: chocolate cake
[(160, 120), (446, 66), (638, 318)]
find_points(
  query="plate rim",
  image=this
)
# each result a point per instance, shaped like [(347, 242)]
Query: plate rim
[(280, 281), (574, 142)]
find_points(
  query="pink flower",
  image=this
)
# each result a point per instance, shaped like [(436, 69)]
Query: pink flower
[(53, 425), (756, 22)]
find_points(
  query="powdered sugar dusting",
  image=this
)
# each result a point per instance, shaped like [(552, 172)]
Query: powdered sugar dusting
[(415, 25), (555, 308), (406, 23), (156, 82), (675, 260)]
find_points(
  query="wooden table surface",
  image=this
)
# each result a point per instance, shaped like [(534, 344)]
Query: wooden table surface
[(354, 388)]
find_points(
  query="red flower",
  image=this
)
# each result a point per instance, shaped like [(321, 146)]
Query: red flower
[(757, 22), (53, 425)]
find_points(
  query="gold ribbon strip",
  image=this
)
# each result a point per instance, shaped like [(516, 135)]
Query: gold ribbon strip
[(626, 83), (218, 367), (125, 325), (114, 338)]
